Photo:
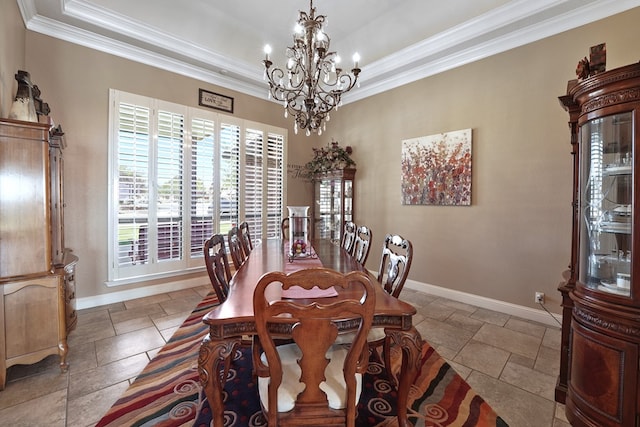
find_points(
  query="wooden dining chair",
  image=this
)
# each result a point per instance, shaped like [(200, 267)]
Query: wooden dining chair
[(397, 253), (235, 247), (284, 226), (362, 244), (395, 262), (217, 263), (312, 381), (348, 236), (247, 244)]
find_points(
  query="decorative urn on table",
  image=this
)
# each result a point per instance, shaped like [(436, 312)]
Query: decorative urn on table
[(299, 245)]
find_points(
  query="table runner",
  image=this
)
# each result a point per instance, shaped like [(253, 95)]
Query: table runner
[(301, 263)]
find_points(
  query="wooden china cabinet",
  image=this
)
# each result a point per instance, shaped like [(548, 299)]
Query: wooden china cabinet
[(333, 202), (37, 273), (599, 370)]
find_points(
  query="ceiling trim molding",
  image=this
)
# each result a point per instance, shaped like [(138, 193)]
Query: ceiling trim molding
[(476, 39), (475, 28), (27, 9), (121, 24), (374, 81), (104, 44)]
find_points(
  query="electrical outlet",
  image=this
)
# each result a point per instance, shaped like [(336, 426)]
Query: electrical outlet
[(539, 297)]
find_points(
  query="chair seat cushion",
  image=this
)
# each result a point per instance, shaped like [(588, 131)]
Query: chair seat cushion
[(375, 334), (334, 386)]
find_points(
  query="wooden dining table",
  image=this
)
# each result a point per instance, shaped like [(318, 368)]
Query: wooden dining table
[(234, 319)]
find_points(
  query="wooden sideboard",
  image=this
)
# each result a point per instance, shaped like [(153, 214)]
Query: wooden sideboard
[(37, 275)]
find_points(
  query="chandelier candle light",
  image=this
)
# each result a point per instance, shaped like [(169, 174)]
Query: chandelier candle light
[(312, 83)]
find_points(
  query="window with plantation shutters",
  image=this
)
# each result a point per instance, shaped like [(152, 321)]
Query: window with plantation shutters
[(274, 184), (177, 175), (132, 172), (230, 140), (201, 182), (169, 199), (253, 178)]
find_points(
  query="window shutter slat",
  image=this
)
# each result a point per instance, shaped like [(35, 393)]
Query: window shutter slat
[(170, 188), (202, 182), (275, 176), (253, 178), (133, 183)]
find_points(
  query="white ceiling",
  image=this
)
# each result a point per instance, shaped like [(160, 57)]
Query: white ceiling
[(221, 42)]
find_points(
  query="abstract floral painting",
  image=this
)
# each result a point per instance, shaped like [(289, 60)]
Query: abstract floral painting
[(436, 169)]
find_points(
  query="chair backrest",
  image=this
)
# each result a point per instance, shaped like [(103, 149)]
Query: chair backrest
[(362, 244), (235, 247), (284, 226), (397, 253), (215, 258), (247, 244), (348, 236), (314, 329)]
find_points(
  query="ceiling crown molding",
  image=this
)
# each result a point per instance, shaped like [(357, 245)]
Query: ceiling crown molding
[(241, 82), (451, 49), (517, 23)]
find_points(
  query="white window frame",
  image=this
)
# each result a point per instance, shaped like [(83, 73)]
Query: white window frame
[(119, 273)]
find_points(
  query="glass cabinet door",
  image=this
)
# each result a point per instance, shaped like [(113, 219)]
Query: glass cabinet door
[(323, 228), (606, 205), (348, 200), (336, 210), (333, 203)]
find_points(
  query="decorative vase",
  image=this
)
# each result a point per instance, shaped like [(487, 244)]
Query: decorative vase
[(299, 245), (23, 107)]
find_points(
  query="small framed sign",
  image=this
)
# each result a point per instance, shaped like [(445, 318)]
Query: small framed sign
[(215, 100)]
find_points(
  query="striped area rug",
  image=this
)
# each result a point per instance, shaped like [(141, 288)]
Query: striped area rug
[(167, 392)]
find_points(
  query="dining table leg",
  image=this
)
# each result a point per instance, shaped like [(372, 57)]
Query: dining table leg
[(214, 355), (410, 342)]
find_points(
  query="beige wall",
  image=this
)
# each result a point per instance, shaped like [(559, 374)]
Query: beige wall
[(12, 52), (512, 241), (75, 81), (515, 238)]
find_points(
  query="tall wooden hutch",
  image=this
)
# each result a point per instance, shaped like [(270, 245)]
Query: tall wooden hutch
[(599, 371), (37, 273), (333, 202)]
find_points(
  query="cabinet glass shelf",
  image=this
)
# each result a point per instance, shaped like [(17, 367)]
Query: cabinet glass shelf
[(606, 207)]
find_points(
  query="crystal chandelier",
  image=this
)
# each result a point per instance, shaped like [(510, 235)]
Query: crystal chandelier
[(312, 83)]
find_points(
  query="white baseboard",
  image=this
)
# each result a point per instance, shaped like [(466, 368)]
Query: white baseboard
[(146, 291), (523, 312), (520, 311)]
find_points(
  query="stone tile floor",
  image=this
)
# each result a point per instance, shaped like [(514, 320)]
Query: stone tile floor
[(512, 363)]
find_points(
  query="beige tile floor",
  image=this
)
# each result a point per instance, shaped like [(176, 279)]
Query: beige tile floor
[(511, 362)]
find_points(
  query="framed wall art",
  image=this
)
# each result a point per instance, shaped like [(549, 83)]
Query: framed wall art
[(215, 100), (436, 169)]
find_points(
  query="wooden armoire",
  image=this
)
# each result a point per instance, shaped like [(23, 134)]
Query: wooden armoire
[(37, 272)]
